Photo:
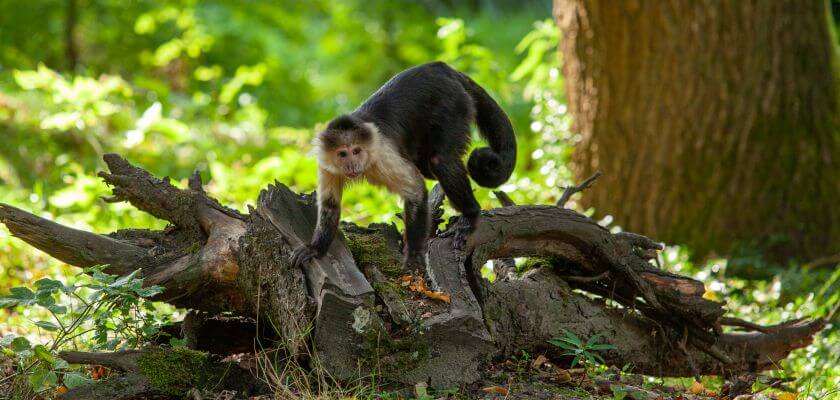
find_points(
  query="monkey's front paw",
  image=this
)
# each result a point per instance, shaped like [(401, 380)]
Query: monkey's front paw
[(459, 239), (301, 256)]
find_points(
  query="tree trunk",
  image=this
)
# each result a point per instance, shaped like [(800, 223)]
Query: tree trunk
[(714, 122), (71, 48), (214, 259)]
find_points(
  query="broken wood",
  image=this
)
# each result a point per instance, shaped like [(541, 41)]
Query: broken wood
[(351, 306)]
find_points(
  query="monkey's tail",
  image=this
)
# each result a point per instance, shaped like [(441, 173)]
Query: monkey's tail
[(490, 166)]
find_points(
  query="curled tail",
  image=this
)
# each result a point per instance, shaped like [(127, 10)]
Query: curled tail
[(490, 166)]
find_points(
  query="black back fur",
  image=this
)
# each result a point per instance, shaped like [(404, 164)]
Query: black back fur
[(427, 110)]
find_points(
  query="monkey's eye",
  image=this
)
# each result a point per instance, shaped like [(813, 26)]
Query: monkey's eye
[(342, 154), (357, 150)]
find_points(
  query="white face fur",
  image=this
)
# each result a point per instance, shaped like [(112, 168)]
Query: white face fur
[(351, 160), (378, 161)]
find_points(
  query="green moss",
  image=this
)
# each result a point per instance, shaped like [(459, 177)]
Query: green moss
[(194, 248), (541, 262), (174, 371), (391, 287), (392, 357), (533, 263), (372, 250)]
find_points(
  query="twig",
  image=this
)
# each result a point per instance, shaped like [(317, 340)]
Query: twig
[(711, 350), (681, 344), (729, 321), (570, 190), (587, 279), (504, 198), (194, 182), (823, 261)]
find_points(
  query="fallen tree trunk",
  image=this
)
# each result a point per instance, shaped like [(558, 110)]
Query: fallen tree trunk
[(359, 317)]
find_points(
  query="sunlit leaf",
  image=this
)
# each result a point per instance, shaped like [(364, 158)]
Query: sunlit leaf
[(144, 24), (42, 378), (43, 353), (50, 326), (47, 284), (20, 344), (6, 302)]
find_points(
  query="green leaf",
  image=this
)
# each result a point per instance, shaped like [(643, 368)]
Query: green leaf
[(150, 330), (125, 279), (20, 344), (42, 378), (48, 284), (100, 276), (6, 302), (149, 291), (60, 364), (58, 310), (75, 379), (50, 326), (562, 345), (601, 347), (571, 338), (577, 344), (592, 340), (618, 392), (43, 353), (45, 299), (173, 129), (22, 294), (112, 344), (575, 361)]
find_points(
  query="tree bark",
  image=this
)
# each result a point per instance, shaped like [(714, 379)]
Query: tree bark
[(714, 122), (71, 47), (352, 309)]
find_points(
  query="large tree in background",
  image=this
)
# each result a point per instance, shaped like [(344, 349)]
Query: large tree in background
[(717, 121)]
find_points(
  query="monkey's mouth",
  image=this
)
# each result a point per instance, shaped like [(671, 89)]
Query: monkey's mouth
[(353, 175)]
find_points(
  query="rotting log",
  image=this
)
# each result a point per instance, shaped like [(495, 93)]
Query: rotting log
[(357, 316), (160, 373)]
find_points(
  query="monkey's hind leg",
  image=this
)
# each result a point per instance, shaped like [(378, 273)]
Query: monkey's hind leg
[(416, 231), (455, 182)]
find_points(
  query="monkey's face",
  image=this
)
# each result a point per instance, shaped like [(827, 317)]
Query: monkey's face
[(352, 159)]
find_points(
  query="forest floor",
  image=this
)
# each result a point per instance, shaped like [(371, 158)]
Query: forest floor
[(520, 378), (536, 378)]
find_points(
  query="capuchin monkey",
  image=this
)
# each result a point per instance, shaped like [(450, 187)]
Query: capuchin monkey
[(416, 126)]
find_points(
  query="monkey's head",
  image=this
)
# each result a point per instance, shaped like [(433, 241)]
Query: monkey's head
[(344, 147)]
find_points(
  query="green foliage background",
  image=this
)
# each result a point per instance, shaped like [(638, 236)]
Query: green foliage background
[(237, 89)]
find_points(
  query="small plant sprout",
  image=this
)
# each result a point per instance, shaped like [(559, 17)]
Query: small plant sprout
[(584, 353)]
